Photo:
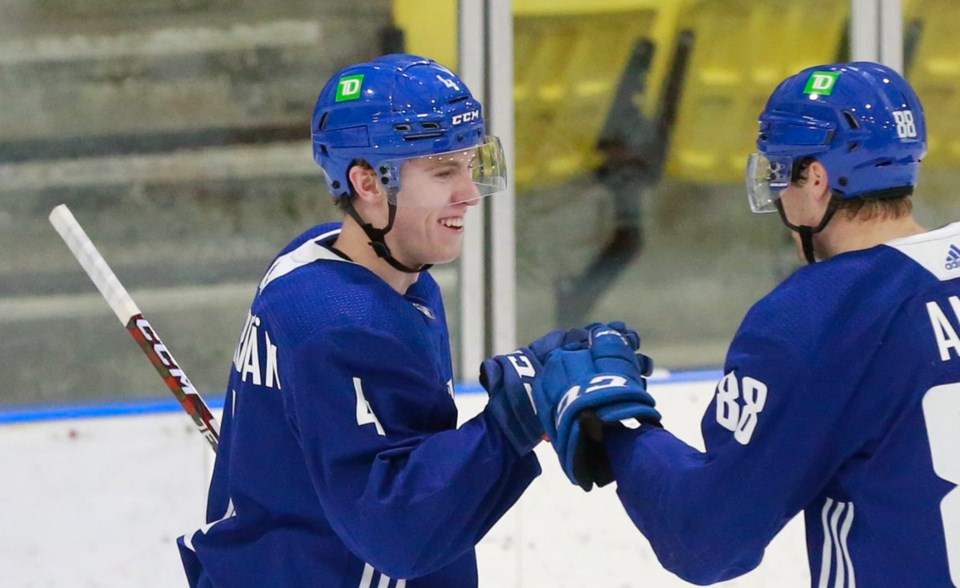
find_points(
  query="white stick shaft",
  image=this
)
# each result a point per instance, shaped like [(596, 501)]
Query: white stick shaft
[(95, 265), (132, 320)]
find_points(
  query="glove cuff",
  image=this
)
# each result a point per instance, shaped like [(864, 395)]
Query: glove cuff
[(509, 380)]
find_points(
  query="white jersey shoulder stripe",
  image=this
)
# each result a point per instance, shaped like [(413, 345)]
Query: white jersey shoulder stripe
[(937, 251), (305, 254)]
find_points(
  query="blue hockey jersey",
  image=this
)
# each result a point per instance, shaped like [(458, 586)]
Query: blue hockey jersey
[(841, 399), (340, 464)]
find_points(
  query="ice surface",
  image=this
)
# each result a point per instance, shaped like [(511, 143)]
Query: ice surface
[(99, 502)]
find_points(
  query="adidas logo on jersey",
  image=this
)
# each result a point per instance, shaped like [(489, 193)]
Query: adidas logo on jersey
[(953, 258)]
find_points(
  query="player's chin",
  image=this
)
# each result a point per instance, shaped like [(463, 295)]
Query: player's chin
[(447, 258), (447, 253)]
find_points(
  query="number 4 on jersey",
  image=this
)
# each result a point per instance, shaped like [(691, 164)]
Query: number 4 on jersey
[(365, 414)]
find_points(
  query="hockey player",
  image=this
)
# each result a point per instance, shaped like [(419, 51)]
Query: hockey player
[(841, 393), (340, 464)]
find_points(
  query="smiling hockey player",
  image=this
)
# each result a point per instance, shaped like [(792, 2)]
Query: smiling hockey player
[(340, 464)]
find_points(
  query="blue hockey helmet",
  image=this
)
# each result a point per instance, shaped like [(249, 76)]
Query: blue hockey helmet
[(397, 107), (861, 120)]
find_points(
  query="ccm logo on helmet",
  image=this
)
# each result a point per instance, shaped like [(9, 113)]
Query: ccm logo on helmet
[(466, 117)]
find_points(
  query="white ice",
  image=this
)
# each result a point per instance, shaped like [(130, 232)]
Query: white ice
[(99, 502)]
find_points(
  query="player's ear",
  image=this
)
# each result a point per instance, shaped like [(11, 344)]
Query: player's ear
[(364, 182), (818, 180)]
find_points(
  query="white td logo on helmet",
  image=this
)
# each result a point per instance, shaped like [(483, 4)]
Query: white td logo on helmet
[(348, 88), (821, 83)]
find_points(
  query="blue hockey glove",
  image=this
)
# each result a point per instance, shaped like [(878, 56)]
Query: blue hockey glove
[(508, 379), (572, 338), (583, 390), (631, 337)]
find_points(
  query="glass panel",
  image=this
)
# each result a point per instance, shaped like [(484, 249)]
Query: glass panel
[(634, 122), (178, 133), (932, 66)]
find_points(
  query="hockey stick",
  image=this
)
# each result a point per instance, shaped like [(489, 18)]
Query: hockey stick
[(132, 319)]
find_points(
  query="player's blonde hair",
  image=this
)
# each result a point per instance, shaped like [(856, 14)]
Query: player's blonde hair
[(862, 209)]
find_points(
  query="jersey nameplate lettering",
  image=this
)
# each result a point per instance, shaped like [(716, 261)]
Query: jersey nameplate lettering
[(944, 330), (261, 368)]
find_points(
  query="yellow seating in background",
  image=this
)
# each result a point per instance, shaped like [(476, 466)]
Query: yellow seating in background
[(569, 58), (933, 68), (430, 28), (741, 50), (566, 75)]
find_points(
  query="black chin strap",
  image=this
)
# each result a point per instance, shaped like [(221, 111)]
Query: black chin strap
[(378, 243), (807, 232)]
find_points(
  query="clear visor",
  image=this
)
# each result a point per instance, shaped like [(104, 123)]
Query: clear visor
[(435, 181), (767, 177)]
